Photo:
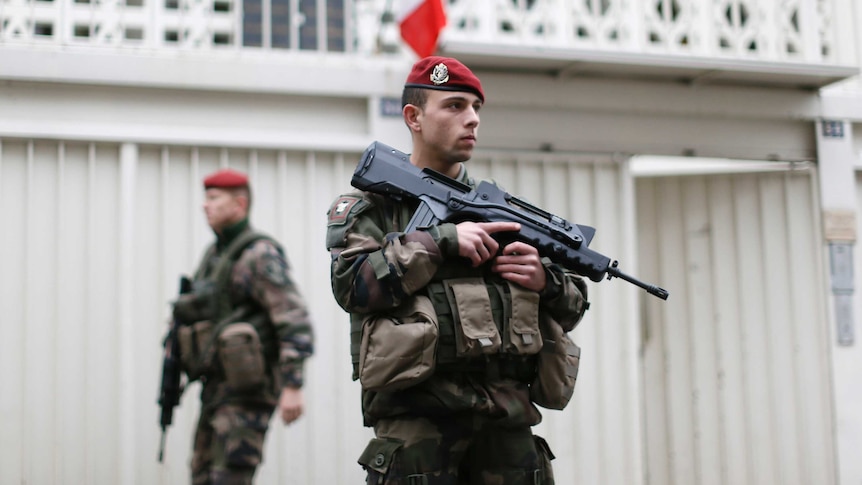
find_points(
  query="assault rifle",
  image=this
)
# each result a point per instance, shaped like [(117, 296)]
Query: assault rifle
[(385, 170), (171, 389)]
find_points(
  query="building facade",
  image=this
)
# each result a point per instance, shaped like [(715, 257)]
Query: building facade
[(713, 144)]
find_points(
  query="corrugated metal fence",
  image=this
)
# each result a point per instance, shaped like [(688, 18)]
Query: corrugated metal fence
[(736, 365), (95, 237)]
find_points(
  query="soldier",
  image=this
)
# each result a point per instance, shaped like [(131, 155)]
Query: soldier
[(445, 323), (245, 333)]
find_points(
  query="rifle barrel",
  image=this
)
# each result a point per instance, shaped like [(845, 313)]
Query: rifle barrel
[(651, 289), (162, 445)]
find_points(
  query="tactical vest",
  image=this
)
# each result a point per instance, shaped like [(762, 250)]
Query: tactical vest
[(211, 301), (518, 367)]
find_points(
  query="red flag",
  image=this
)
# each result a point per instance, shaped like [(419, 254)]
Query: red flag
[(421, 22)]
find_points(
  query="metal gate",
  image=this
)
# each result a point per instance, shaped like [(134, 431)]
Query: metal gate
[(736, 363)]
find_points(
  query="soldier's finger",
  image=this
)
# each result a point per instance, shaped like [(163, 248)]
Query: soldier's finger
[(518, 247), (492, 227)]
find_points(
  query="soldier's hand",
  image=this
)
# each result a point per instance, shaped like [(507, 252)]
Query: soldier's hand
[(475, 242), (290, 404), (520, 263)]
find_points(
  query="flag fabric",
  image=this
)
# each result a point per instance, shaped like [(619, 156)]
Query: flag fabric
[(420, 22)]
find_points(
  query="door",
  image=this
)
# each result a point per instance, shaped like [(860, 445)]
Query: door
[(735, 365)]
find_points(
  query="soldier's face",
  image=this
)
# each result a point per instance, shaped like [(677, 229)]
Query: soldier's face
[(450, 124), (223, 208)]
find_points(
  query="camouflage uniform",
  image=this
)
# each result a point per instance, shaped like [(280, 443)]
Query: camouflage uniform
[(469, 423), (228, 442)]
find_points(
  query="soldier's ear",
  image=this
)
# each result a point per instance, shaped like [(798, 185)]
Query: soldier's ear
[(411, 114), (243, 201)]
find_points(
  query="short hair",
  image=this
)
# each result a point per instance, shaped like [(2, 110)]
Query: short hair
[(415, 96), (243, 191)]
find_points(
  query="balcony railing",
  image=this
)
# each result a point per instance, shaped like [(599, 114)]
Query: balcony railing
[(310, 25), (765, 42), (773, 37), (774, 30)]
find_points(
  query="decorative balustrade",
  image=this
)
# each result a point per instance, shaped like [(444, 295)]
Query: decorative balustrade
[(783, 31), (775, 30), (169, 24)]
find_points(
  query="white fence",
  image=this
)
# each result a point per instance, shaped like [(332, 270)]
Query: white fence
[(801, 31)]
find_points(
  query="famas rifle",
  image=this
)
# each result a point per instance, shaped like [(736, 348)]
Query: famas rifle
[(171, 389), (385, 170)]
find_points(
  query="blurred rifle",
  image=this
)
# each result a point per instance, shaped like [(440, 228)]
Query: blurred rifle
[(172, 387)]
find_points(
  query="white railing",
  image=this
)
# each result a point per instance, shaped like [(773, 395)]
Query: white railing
[(775, 30), (314, 25)]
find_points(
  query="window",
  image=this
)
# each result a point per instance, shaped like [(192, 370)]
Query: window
[(282, 21)]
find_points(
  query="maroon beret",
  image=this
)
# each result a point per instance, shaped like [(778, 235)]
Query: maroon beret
[(226, 179), (445, 74)]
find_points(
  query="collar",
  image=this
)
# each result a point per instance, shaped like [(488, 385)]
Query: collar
[(463, 177), (230, 233)]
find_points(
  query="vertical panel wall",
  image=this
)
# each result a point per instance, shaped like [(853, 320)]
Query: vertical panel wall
[(95, 238), (736, 363), (847, 361), (597, 437)]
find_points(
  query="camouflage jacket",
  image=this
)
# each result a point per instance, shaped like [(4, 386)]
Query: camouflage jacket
[(260, 278), (375, 267)]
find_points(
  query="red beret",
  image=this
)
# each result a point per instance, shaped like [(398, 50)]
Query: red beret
[(226, 179), (445, 74)]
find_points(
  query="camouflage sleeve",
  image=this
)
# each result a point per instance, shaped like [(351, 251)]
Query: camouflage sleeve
[(264, 270), (565, 296), (375, 268)]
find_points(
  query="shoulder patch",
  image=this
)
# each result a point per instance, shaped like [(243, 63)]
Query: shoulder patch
[(340, 216), (275, 269), (341, 209)]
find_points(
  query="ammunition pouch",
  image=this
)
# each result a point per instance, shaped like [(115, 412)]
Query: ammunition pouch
[(557, 370), (475, 330), (522, 335), (397, 349), (241, 356), (195, 313), (194, 339)]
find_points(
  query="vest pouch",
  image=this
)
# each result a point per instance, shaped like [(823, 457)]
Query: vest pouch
[(194, 340), (379, 454), (557, 368), (522, 327), (398, 348), (240, 354), (475, 331)]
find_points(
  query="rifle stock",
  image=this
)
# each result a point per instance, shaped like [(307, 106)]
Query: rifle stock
[(385, 170)]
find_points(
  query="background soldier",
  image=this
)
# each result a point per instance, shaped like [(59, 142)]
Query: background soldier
[(244, 331), (455, 406)]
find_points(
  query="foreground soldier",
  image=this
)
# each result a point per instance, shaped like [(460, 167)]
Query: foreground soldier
[(445, 323), (244, 332)]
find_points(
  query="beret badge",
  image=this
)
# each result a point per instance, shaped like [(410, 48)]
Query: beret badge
[(440, 74)]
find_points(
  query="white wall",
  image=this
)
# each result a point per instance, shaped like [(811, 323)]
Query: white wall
[(736, 363), (96, 238), (100, 188)]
